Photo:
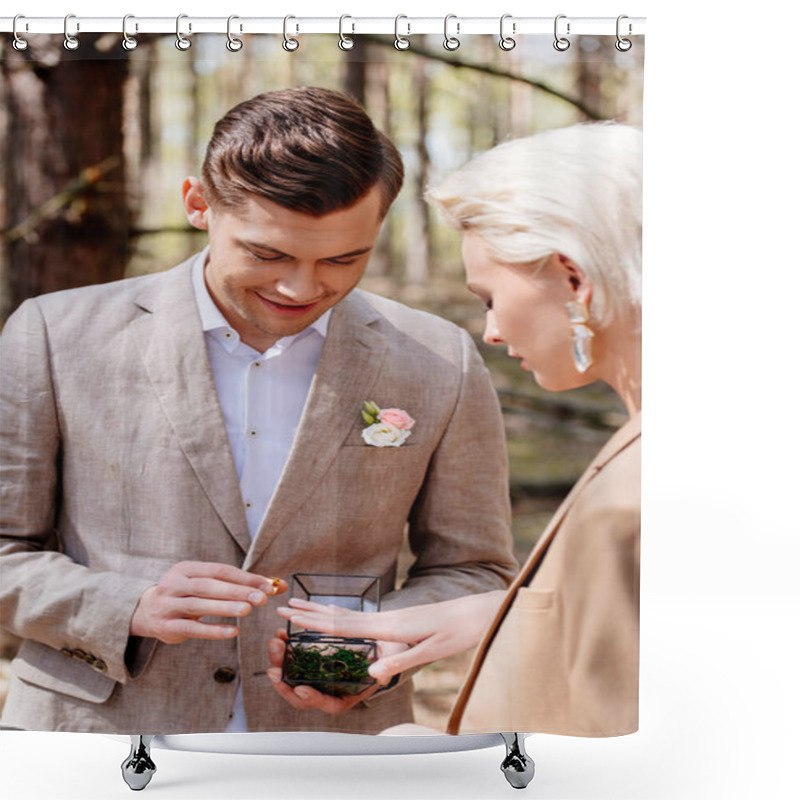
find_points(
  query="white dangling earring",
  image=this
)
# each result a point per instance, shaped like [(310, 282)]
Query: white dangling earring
[(582, 335)]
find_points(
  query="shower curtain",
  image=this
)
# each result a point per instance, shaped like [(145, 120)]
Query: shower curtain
[(120, 435)]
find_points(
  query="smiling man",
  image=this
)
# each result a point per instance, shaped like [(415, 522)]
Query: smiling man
[(175, 446)]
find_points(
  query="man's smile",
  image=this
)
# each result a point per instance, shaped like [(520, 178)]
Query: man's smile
[(292, 309)]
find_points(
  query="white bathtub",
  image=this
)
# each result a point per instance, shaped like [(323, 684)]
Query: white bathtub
[(320, 743), (138, 768)]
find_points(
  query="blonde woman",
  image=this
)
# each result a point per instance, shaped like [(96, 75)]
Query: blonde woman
[(551, 230)]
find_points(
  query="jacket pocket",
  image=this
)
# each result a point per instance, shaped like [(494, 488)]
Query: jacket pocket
[(534, 599)]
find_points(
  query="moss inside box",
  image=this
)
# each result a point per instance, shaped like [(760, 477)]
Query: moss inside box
[(337, 671)]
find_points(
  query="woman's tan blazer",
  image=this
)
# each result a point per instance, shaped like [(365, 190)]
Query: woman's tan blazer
[(562, 655)]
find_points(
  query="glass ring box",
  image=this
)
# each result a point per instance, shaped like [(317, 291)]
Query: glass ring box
[(334, 665)]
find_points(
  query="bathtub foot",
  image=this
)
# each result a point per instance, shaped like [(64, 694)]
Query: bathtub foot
[(518, 766), (138, 768)]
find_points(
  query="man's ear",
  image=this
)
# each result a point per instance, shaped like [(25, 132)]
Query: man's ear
[(579, 281), (194, 204)]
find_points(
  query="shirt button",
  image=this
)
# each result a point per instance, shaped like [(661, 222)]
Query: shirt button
[(256, 363), (252, 433), (248, 505), (225, 675)]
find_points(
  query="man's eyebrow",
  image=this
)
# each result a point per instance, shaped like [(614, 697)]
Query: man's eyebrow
[(261, 246), (353, 253), (266, 247)]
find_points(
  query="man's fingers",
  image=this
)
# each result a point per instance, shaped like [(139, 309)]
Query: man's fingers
[(195, 607), (228, 574), (285, 691), (179, 630), (305, 698), (275, 650), (325, 702), (220, 590)]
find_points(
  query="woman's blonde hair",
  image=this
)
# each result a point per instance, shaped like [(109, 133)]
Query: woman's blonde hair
[(575, 191)]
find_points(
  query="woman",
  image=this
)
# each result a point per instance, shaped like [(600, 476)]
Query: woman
[(552, 245)]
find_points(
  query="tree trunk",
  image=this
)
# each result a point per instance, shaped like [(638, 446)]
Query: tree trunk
[(417, 240), (67, 216), (590, 75), (355, 77), (378, 105)]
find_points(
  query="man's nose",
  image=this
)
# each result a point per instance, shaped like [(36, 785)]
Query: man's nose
[(300, 284), (491, 335)]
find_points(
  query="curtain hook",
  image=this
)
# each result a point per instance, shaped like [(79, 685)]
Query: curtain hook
[(507, 42), (400, 42), (290, 44), (233, 44), (623, 45), (70, 42), (129, 42), (451, 42), (181, 42), (561, 43), (346, 42), (19, 43)]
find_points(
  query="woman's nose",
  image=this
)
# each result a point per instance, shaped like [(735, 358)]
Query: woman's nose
[(490, 333)]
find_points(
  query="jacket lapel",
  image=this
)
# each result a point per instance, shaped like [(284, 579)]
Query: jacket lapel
[(350, 362), (173, 350), (618, 442)]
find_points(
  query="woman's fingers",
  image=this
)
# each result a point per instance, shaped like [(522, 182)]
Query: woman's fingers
[(405, 625), (390, 665), (336, 624)]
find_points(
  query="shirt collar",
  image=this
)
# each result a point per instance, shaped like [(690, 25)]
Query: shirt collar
[(212, 319)]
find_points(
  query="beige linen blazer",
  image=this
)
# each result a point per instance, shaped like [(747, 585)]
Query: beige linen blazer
[(562, 654), (116, 465)]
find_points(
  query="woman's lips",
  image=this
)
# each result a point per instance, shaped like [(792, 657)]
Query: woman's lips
[(288, 310)]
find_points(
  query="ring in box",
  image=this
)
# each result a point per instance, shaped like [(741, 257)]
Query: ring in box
[(333, 665)]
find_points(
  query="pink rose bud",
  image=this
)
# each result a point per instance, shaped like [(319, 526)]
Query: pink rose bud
[(397, 417)]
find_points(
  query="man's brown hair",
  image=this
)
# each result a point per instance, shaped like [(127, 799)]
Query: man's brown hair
[(308, 149)]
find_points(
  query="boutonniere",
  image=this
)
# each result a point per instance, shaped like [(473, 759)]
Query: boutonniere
[(386, 427)]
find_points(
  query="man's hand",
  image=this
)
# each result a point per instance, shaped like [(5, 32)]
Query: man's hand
[(171, 610), (305, 697)]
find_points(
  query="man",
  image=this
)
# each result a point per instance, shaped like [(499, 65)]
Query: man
[(174, 443)]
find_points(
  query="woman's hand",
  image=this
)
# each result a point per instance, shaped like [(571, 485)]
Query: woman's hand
[(432, 631)]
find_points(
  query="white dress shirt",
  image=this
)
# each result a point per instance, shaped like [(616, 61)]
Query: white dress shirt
[(262, 396)]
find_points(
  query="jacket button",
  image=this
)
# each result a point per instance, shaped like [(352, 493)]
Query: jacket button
[(225, 675)]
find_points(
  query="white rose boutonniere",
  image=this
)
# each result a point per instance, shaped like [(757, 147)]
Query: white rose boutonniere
[(388, 427)]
